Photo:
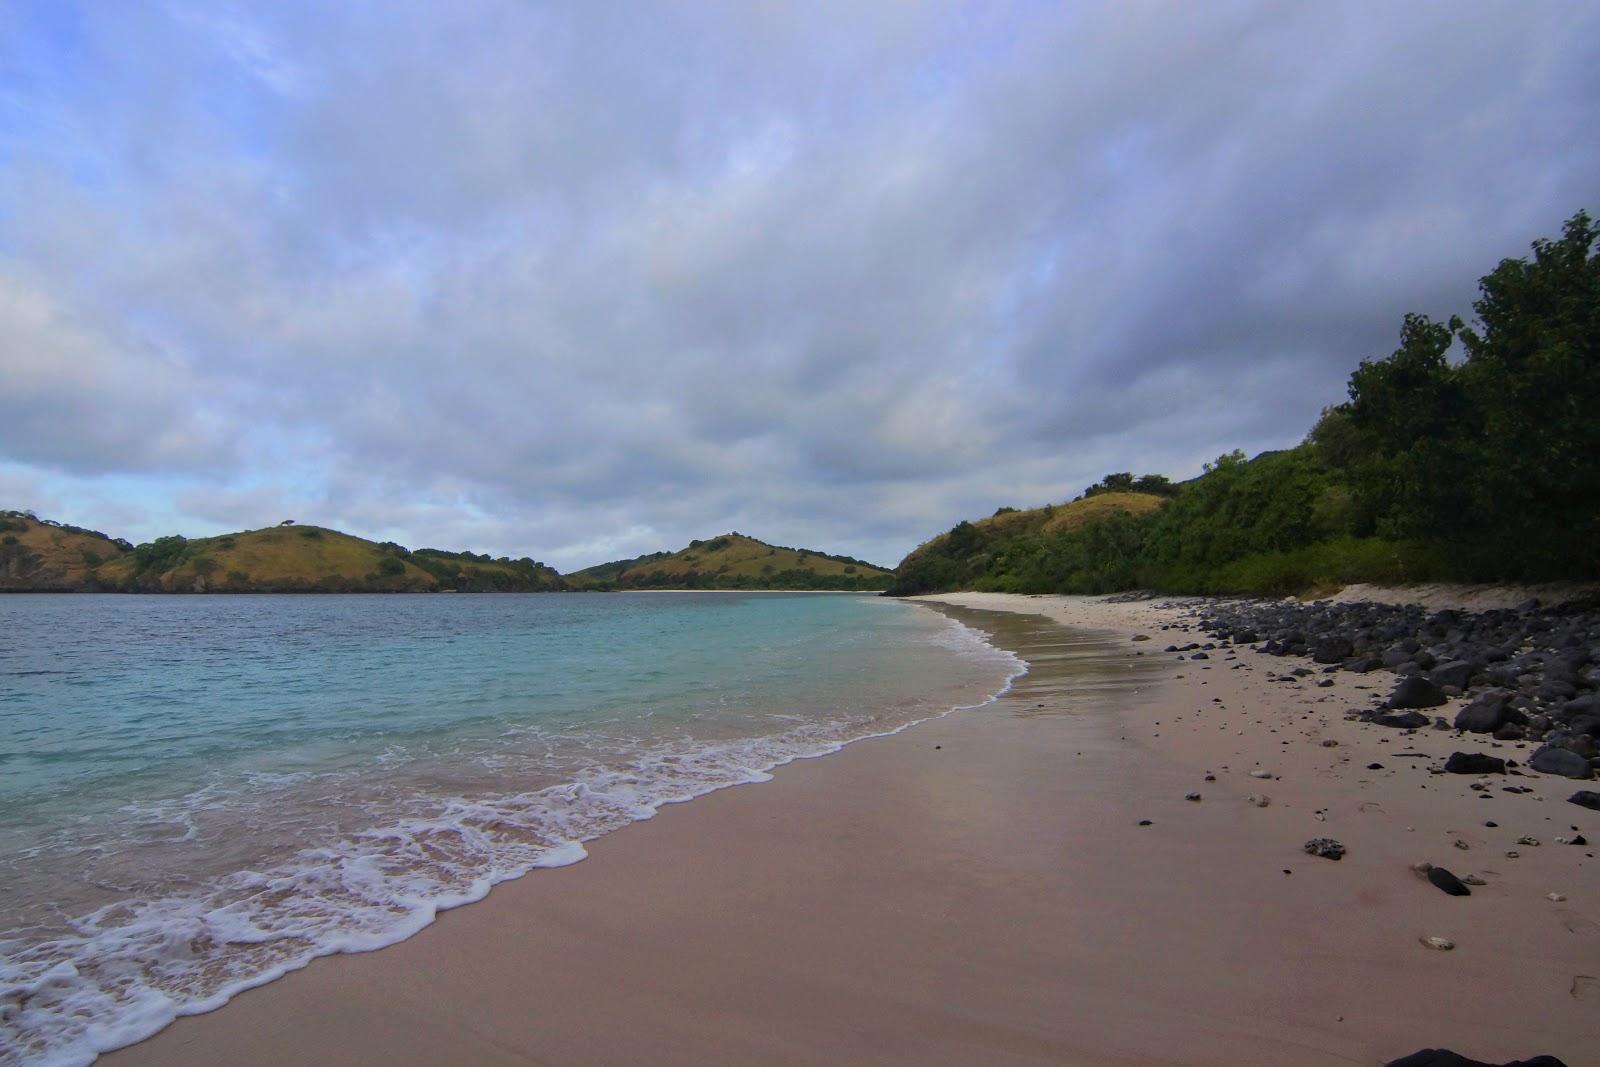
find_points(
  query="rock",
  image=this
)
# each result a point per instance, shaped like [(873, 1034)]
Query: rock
[(1448, 882), (1568, 764), (1557, 897), (1443, 1057), (1474, 763), (1525, 840), (1374, 766), (1400, 720), (1332, 648), (1144, 822), (1443, 944), (1512, 854), (1141, 637), (1585, 798), (1199, 655), (1259, 800), (1462, 845), (1326, 847), (1456, 673), (1472, 879), (1261, 774), (1416, 692), (1486, 714), (1509, 732), (1329, 742), (1191, 796)]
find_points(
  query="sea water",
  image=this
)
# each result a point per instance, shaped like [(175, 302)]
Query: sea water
[(198, 794)]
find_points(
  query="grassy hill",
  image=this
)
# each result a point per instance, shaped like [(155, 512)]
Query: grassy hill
[(1031, 550), (310, 559), (734, 561), (38, 556)]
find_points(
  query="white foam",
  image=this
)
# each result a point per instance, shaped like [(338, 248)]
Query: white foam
[(126, 970)]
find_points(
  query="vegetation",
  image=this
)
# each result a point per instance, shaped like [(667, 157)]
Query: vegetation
[(1477, 466), (734, 561), (297, 559), (39, 555)]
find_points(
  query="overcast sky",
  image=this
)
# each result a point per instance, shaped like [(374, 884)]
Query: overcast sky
[(585, 280)]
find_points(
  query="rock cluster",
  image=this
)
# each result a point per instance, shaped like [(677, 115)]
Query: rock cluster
[(1528, 674)]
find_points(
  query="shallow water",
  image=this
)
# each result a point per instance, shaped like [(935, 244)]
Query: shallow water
[(199, 793)]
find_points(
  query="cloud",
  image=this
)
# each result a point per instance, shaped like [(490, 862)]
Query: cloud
[(582, 282)]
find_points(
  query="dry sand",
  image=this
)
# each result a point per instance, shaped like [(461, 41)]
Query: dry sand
[(978, 890)]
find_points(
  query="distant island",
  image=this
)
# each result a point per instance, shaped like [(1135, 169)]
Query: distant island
[(44, 556)]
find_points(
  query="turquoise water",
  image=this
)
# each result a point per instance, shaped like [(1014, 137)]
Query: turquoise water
[(199, 793)]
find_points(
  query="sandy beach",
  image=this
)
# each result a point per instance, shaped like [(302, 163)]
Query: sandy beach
[(979, 889)]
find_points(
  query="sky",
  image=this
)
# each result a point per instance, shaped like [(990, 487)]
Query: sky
[(581, 281)]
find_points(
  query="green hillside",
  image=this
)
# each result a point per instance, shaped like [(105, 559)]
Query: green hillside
[(734, 561), (1471, 453), (40, 556), (1035, 550), (310, 559)]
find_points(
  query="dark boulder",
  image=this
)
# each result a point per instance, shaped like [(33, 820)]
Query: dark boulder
[(1568, 764), (1486, 714), (1332, 648), (1448, 882), (1402, 720), (1585, 798), (1416, 692), (1474, 763), (1442, 1057), (1457, 673), (1394, 657)]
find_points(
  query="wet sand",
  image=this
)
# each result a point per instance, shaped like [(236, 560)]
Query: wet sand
[(977, 889)]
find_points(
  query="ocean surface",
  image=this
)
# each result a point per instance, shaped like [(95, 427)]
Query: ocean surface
[(198, 794)]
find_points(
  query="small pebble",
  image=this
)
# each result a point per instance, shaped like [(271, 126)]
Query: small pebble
[(1261, 774), (1527, 840), (1326, 847), (1144, 822), (1472, 879), (1490, 822), (1443, 944), (1260, 800), (1191, 796), (1512, 854), (1557, 897), (1462, 845)]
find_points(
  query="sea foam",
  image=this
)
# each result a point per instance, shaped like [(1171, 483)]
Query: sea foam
[(123, 971)]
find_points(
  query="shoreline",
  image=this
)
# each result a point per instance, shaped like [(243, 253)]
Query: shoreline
[(979, 888)]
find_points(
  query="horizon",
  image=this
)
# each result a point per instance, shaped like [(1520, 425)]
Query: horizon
[(581, 285)]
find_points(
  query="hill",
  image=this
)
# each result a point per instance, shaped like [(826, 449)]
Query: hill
[(41, 556), (1470, 454), (734, 561), (280, 559), (1033, 550)]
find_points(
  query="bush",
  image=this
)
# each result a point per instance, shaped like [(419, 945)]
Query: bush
[(390, 567)]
